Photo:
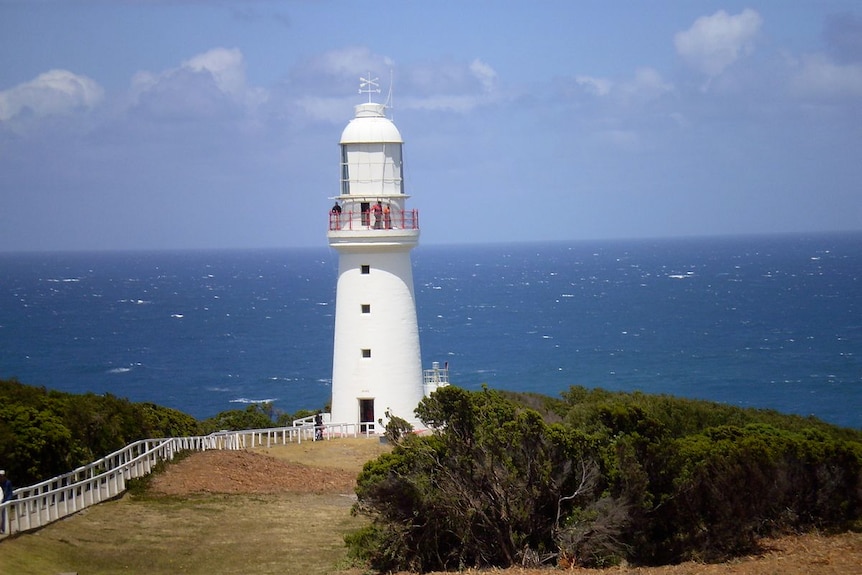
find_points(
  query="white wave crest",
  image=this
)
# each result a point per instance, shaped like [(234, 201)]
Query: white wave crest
[(247, 400)]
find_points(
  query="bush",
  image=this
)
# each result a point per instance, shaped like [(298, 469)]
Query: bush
[(477, 493), (648, 479), (733, 485), (46, 433), (396, 428), (254, 416)]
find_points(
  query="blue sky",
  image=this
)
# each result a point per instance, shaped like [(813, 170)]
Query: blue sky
[(214, 124)]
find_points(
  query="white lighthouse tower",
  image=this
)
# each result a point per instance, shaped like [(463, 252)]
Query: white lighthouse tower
[(376, 364)]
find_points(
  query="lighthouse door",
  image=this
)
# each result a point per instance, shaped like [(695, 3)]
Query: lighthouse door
[(366, 211), (366, 415)]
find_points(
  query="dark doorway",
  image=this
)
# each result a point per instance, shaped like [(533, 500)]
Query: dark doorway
[(366, 415), (366, 213)]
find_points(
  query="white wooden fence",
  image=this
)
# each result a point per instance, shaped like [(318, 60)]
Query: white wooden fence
[(38, 505)]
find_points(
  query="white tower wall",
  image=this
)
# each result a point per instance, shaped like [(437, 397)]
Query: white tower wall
[(376, 364), (375, 316)]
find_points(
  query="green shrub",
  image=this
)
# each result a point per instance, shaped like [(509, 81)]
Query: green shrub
[(45, 433), (396, 428), (647, 479)]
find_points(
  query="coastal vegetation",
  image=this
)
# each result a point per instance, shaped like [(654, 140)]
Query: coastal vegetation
[(592, 478), (232, 512), (597, 478), (45, 433), (254, 416)]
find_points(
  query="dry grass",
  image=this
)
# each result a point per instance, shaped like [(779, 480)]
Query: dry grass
[(213, 534), (220, 524), (345, 454), (810, 554), (231, 513)]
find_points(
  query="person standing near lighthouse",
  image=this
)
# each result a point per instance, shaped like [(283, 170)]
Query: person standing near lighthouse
[(8, 494), (376, 364)]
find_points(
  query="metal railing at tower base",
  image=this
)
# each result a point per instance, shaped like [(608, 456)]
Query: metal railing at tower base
[(435, 378), (38, 505)]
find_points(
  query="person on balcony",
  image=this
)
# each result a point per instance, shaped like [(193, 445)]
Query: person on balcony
[(387, 217), (335, 217), (377, 209)]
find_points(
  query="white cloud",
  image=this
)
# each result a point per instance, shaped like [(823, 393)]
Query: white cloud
[(325, 86), (349, 62), (715, 42), (647, 85), (220, 71), (817, 76), (326, 109), (142, 82), (445, 102), (54, 92), (330, 80), (486, 75), (451, 86), (226, 66), (595, 86)]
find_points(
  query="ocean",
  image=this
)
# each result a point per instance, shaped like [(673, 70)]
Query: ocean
[(762, 321)]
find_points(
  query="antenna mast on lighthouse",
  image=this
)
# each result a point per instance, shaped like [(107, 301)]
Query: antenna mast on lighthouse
[(390, 100)]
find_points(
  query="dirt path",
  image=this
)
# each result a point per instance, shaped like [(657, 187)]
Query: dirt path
[(234, 472)]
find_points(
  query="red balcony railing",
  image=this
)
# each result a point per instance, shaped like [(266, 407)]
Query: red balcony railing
[(354, 221)]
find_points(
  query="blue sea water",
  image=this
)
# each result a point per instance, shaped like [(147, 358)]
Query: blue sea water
[(768, 321)]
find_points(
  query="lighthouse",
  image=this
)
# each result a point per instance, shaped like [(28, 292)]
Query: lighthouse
[(376, 364)]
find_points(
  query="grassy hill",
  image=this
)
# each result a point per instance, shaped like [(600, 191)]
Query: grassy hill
[(593, 477), (294, 531)]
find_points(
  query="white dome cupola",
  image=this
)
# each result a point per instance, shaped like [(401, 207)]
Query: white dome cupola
[(371, 160)]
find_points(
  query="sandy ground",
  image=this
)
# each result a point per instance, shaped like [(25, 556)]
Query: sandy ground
[(245, 472), (234, 472)]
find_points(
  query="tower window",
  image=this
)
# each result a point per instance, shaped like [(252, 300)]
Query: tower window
[(366, 308), (366, 269), (366, 353)]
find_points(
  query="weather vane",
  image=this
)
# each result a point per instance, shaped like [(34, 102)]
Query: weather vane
[(368, 86)]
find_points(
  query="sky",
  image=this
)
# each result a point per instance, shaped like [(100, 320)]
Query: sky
[(192, 124)]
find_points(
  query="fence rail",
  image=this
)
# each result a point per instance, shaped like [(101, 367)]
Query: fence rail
[(38, 505), (354, 221)]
